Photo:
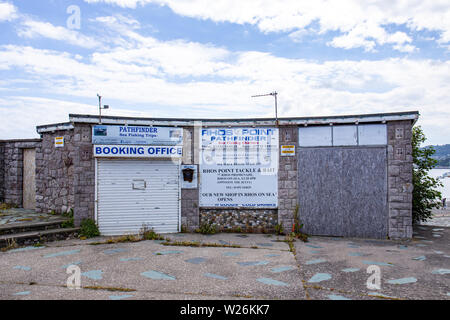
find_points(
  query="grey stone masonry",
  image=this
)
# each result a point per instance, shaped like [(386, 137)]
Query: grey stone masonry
[(241, 220), (65, 176), (54, 173), (400, 186), (287, 178), (11, 169), (2, 172), (84, 174), (189, 197)]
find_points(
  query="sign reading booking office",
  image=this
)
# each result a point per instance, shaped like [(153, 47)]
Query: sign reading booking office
[(117, 151)]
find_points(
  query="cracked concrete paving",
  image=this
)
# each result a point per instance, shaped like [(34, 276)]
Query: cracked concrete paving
[(153, 270), (262, 268), (416, 269)]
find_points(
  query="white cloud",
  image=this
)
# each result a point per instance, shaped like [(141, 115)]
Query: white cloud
[(119, 20), (31, 29), (144, 75), (28, 27), (8, 11), (188, 79), (121, 3), (405, 48), (299, 35), (361, 23), (369, 35), (44, 111)]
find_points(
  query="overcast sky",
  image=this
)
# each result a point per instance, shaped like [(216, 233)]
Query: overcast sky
[(202, 58)]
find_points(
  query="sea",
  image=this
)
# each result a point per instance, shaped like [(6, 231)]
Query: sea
[(445, 190)]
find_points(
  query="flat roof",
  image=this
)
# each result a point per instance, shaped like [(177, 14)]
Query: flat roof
[(205, 122), (21, 140)]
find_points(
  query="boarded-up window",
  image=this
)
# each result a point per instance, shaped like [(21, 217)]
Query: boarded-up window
[(315, 136), (372, 134), (345, 136)]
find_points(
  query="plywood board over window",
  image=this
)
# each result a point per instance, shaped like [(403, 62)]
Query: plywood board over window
[(29, 181)]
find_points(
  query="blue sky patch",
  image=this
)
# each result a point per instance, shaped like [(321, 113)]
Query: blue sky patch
[(57, 55)]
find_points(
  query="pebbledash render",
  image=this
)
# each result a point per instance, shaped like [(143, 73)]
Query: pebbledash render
[(344, 175)]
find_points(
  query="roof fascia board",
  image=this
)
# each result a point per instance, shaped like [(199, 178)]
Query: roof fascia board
[(247, 122), (54, 127)]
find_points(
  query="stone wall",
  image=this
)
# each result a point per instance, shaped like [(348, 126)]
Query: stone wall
[(400, 186), (54, 173), (84, 174), (11, 172), (65, 176), (189, 197), (2, 171), (66, 179), (287, 178), (246, 220)]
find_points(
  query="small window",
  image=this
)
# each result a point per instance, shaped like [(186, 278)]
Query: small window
[(372, 134), (345, 136), (314, 136)]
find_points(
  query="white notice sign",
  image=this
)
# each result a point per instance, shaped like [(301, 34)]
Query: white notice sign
[(59, 142), (239, 167), (288, 150)]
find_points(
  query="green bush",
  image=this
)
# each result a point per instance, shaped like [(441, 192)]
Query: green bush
[(69, 223), (298, 226), (426, 196), (151, 235), (207, 228), (89, 229), (279, 229)]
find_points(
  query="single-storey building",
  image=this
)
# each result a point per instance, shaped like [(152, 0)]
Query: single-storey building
[(344, 175)]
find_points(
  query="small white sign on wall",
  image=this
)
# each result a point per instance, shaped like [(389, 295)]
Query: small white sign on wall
[(59, 142), (288, 150)]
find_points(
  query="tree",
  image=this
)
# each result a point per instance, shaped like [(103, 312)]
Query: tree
[(425, 195)]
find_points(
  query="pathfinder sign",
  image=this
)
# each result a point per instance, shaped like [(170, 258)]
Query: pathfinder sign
[(238, 167), (137, 135)]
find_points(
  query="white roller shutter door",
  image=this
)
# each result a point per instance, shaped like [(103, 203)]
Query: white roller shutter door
[(133, 193)]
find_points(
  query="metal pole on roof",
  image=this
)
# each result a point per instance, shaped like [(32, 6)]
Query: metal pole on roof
[(99, 108), (274, 93)]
